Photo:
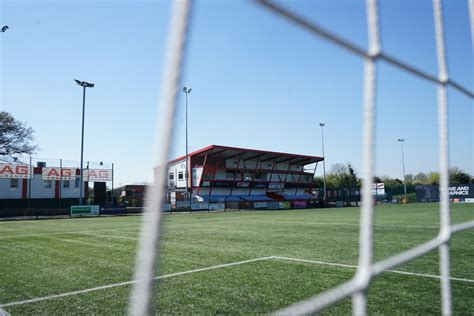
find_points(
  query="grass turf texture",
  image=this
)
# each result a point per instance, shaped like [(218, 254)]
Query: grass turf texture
[(41, 258)]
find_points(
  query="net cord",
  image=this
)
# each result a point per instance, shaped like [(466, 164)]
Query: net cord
[(148, 248)]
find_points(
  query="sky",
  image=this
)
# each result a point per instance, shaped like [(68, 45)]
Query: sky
[(257, 81)]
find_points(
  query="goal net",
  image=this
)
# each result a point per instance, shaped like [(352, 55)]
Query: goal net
[(358, 286)]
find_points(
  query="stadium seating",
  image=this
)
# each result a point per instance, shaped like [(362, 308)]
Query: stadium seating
[(253, 198), (299, 197), (234, 198), (256, 198)]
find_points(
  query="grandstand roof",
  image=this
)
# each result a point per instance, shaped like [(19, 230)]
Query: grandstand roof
[(226, 152)]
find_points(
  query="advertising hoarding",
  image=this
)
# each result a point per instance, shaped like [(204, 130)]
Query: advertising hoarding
[(284, 205), (260, 205), (85, 210), (299, 204), (55, 173), (461, 191), (216, 206), (98, 175), (11, 171), (200, 206), (378, 188)]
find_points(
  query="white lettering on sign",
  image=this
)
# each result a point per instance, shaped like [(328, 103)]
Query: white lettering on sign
[(459, 190), (15, 171)]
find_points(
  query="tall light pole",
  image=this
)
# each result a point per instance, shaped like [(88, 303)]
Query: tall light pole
[(187, 91), (3, 30), (402, 140), (324, 161), (84, 85)]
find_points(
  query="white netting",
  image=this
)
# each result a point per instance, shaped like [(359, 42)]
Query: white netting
[(367, 270)]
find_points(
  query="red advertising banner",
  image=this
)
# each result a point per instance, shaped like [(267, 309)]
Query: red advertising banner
[(11, 171), (55, 173)]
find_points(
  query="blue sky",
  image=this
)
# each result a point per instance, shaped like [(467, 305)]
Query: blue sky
[(258, 81)]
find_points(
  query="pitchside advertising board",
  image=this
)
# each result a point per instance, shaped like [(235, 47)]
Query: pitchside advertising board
[(457, 193), (85, 210), (463, 192)]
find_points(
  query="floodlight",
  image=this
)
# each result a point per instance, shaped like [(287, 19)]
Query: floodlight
[(84, 84)]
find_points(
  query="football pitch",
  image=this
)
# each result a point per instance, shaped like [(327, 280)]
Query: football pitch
[(247, 262)]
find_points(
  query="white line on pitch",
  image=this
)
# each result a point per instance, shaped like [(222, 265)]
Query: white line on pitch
[(69, 232), (343, 224), (355, 267), (103, 287)]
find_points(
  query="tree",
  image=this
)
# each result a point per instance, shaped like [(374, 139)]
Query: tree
[(458, 176), (15, 136), (342, 176), (421, 178), (318, 182), (433, 178), (377, 179)]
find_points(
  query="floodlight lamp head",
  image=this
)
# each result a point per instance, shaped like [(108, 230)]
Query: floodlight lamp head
[(321, 124), (189, 91), (84, 84), (185, 90), (4, 28), (101, 163)]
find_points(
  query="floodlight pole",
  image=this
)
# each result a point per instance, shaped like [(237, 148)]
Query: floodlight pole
[(402, 140), (186, 174), (3, 30), (81, 183), (84, 85), (324, 160)]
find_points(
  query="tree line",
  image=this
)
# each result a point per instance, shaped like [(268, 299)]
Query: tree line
[(344, 176)]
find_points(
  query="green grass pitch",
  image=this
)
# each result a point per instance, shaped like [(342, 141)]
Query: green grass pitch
[(48, 257)]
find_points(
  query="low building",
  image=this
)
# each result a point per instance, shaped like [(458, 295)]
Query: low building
[(44, 186), (131, 195)]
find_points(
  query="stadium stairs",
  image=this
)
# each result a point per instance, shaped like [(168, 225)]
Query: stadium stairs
[(275, 196)]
